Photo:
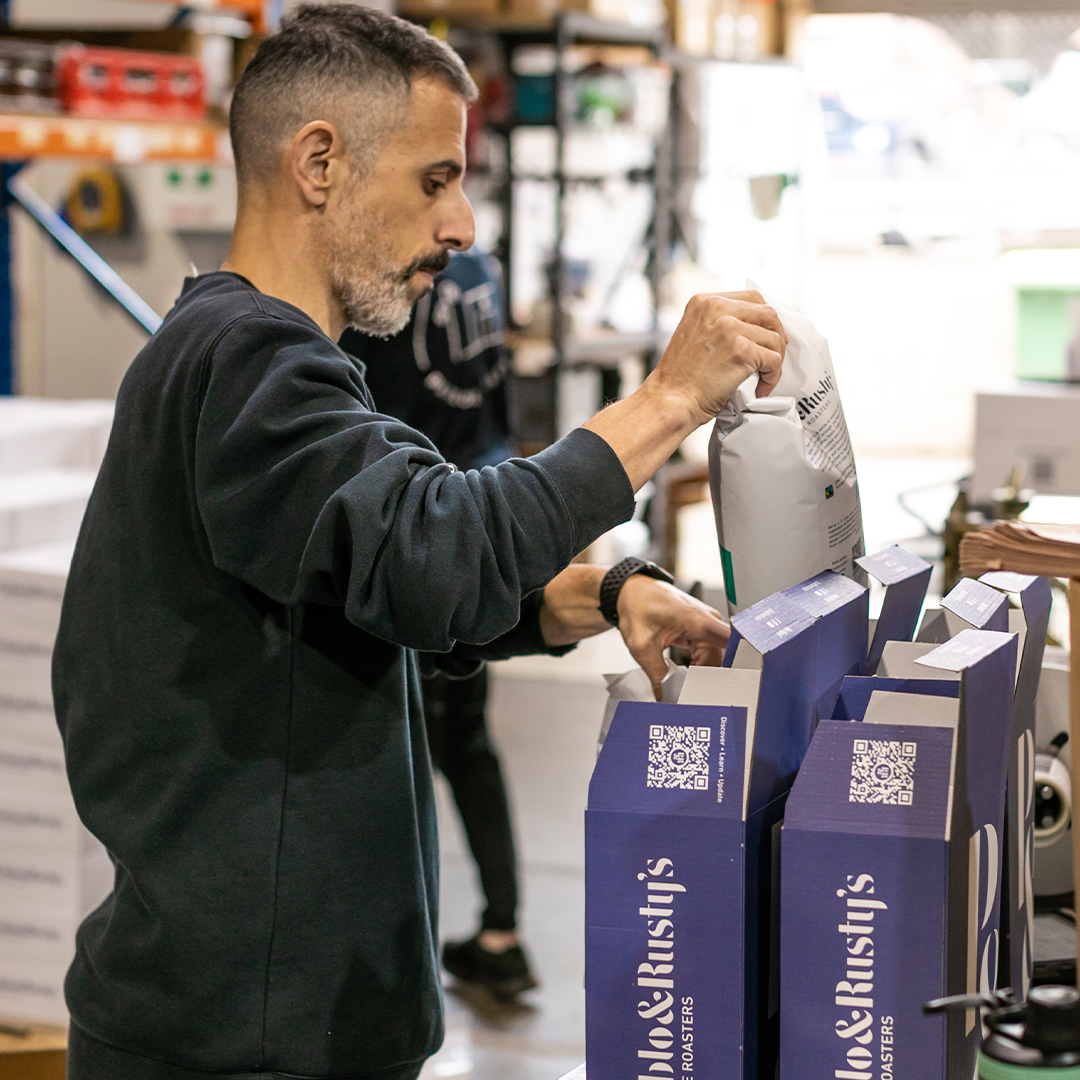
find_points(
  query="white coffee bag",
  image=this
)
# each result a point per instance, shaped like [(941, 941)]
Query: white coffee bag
[(782, 476)]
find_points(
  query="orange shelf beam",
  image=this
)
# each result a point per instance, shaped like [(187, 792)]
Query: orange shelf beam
[(255, 10), (122, 141)]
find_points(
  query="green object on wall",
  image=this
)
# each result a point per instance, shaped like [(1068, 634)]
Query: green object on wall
[(1044, 327)]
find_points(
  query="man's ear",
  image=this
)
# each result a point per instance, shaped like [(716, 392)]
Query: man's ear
[(315, 160)]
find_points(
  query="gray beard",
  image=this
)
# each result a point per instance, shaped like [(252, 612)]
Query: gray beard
[(372, 291), (374, 299), (380, 307)]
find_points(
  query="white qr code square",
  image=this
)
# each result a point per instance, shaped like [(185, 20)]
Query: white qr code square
[(678, 757), (883, 771)]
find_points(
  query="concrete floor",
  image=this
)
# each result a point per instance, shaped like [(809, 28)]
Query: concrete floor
[(546, 732)]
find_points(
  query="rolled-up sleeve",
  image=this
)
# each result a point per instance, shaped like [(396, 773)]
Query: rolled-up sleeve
[(309, 496)]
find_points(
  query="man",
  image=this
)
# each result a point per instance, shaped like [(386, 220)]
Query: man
[(444, 374), (232, 675)]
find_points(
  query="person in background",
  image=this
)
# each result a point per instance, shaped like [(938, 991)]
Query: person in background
[(445, 375)]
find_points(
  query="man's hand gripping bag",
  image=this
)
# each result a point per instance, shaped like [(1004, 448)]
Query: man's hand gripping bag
[(782, 475)]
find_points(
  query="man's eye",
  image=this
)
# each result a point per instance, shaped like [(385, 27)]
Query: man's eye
[(434, 185)]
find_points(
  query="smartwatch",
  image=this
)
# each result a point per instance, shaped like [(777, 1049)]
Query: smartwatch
[(616, 577)]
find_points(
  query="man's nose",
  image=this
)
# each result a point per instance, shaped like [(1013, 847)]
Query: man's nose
[(457, 229)]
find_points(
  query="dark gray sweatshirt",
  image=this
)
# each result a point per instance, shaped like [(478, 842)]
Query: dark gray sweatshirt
[(238, 699)]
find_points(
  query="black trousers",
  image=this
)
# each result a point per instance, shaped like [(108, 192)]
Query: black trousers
[(454, 712)]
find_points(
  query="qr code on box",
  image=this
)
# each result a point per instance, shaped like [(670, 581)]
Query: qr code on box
[(883, 771), (678, 757)]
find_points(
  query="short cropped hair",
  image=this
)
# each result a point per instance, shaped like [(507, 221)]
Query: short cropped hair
[(323, 54)]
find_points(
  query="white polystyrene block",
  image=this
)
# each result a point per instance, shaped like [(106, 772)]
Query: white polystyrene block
[(29, 933), (40, 822), (50, 562), (25, 668), (41, 433), (32, 584), (48, 880), (34, 991), (66, 883), (27, 765), (43, 507), (29, 720)]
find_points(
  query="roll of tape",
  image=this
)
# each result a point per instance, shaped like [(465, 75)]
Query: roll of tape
[(1053, 799), (95, 203)]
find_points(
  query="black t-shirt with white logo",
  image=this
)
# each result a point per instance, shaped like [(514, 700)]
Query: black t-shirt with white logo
[(445, 373)]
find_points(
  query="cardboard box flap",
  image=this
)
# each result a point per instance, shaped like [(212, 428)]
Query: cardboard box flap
[(662, 759), (1007, 581), (972, 604), (1035, 599), (769, 623), (747, 659), (899, 707), (856, 691), (886, 707), (895, 780), (894, 565), (939, 625), (966, 650), (898, 661), (737, 686), (978, 605), (824, 593), (905, 577)]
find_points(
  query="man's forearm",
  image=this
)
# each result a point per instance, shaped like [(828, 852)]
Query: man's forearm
[(644, 430), (571, 607)]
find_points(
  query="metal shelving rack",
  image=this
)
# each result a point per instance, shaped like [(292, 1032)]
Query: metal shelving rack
[(602, 352), (25, 136)]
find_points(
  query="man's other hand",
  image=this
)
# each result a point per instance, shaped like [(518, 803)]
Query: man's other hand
[(654, 615)]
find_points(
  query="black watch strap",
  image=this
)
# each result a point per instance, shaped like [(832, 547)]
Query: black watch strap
[(616, 578)]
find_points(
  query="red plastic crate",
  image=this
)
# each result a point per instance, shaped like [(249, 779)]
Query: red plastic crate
[(129, 84)]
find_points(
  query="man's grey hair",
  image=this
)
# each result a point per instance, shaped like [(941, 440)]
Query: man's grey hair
[(349, 64)]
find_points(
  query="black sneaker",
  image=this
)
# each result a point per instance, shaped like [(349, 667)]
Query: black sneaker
[(503, 973)]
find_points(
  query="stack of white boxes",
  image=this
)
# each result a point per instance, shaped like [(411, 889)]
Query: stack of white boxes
[(52, 871)]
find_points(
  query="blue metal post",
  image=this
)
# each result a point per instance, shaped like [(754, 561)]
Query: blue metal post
[(71, 242), (8, 169)]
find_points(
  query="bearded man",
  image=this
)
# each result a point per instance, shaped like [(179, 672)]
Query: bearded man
[(234, 676)]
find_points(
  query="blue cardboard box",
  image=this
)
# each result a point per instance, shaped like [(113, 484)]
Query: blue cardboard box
[(681, 845), (666, 871), (1030, 622), (905, 577), (984, 605), (890, 891)]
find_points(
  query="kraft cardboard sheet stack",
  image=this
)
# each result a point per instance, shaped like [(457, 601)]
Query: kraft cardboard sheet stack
[(51, 870)]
